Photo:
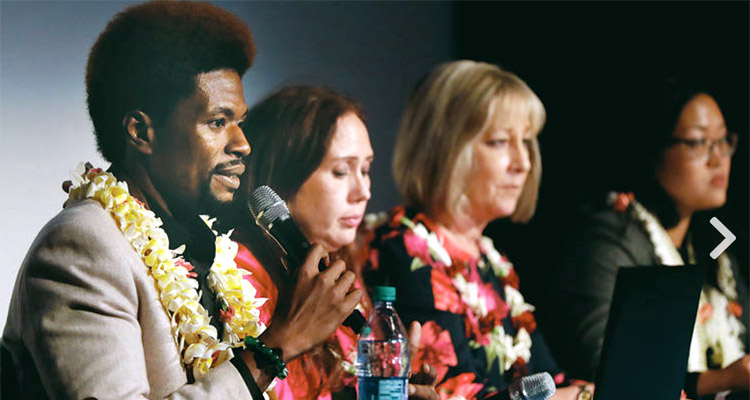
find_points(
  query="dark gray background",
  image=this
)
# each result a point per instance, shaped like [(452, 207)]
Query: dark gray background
[(578, 57), (372, 51)]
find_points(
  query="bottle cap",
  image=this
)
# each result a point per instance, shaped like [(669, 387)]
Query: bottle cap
[(384, 293), (365, 331)]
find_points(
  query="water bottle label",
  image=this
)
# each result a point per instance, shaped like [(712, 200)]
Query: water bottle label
[(392, 389), (382, 389)]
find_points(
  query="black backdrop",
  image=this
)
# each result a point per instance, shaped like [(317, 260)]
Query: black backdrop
[(580, 58)]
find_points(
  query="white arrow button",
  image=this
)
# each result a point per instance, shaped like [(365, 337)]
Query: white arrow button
[(729, 238)]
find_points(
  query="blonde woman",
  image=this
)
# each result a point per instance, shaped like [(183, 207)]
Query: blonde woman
[(466, 154)]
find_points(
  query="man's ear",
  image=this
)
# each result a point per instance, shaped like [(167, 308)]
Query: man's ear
[(139, 131)]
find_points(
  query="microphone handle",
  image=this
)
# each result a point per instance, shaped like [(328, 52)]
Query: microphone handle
[(356, 321)]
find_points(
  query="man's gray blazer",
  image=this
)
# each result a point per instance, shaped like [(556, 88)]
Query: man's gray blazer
[(85, 320)]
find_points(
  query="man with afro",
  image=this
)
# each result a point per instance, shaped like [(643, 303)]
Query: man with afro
[(87, 319)]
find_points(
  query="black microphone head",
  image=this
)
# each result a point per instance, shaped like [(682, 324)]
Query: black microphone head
[(266, 206), (539, 386)]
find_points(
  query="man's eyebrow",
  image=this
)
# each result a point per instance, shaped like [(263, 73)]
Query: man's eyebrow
[(223, 110)]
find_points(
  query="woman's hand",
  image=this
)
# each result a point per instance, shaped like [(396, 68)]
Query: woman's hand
[(421, 383), (734, 377), (320, 303), (739, 374), (572, 392)]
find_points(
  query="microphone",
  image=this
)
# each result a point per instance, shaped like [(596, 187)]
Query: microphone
[(271, 213), (539, 386)]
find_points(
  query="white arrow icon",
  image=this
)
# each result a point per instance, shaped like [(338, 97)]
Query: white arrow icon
[(729, 237)]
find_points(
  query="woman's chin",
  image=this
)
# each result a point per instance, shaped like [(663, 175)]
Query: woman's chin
[(505, 210), (714, 204), (336, 243), (708, 202)]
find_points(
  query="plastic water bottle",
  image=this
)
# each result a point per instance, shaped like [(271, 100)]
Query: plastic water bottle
[(383, 351)]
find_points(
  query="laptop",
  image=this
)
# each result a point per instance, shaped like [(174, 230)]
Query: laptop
[(648, 333)]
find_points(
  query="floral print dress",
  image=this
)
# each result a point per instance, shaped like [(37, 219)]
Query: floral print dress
[(478, 332), (306, 379)]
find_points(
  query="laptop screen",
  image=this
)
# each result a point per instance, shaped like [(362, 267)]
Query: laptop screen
[(648, 333)]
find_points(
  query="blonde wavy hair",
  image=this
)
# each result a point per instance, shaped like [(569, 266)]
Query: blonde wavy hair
[(450, 109)]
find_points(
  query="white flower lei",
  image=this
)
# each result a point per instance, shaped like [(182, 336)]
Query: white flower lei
[(506, 348), (722, 330), (434, 245), (507, 351), (195, 338)]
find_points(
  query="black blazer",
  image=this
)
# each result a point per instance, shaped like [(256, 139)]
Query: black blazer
[(605, 241)]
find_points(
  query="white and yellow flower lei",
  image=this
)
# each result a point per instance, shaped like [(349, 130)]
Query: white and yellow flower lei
[(720, 332), (506, 348), (195, 338)]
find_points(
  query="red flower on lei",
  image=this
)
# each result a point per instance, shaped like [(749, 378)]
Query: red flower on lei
[(417, 247), (526, 320), (227, 315), (445, 295), (436, 349), (705, 312), (395, 216), (460, 386), (511, 279), (735, 308), (180, 262), (621, 201), (519, 368)]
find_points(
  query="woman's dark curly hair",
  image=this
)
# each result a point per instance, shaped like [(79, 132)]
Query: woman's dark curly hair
[(147, 59)]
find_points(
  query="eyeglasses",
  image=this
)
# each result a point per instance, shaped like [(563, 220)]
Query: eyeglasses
[(702, 148)]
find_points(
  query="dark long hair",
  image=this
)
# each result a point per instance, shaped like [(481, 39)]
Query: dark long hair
[(646, 132), (290, 132)]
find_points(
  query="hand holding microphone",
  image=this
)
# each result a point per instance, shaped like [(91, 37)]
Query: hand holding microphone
[(319, 304), (271, 213)]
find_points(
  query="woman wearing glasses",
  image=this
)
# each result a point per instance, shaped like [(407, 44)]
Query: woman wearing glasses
[(680, 169)]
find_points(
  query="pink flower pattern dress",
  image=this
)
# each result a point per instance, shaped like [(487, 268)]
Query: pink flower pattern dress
[(478, 332)]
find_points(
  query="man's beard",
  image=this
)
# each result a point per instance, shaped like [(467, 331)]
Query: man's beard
[(224, 211)]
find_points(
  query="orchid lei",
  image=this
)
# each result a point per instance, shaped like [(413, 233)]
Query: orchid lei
[(716, 327), (500, 345), (196, 339)]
